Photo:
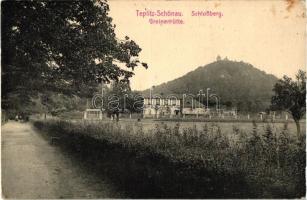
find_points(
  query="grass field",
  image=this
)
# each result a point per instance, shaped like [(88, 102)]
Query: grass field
[(226, 128), (151, 159)]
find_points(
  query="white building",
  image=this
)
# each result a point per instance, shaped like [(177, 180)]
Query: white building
[(171, 107), (161, 107), (93, 114)]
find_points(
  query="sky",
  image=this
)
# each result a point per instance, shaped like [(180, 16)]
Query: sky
[(269, 34)]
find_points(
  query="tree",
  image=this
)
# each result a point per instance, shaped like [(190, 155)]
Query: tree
[(290, 95), (56, 104), (122, 92), (62, 47)]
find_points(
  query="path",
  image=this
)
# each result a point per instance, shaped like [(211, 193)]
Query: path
[(33, 168)]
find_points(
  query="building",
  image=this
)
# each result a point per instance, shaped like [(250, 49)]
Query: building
[(93, 114), (172, 106), (161, 107), (192, 107)]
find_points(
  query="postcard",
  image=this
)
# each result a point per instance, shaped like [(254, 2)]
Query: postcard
[(151, 99)]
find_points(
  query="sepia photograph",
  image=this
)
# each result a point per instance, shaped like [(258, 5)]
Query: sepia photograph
[(153, 99)]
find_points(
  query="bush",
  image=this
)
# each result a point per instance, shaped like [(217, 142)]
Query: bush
[(179, 162)]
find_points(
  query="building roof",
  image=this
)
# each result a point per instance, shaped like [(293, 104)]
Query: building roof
[(163, 96), (188, 103), (187, 100)]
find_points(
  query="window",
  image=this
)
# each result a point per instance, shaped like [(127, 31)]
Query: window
[(158, 102), (166, 102), (173, 102)]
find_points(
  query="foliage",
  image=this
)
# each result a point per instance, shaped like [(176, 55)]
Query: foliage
[(290, 95), (190, 162), (120, 96), (61, 46), (238, 84), (56, 104)]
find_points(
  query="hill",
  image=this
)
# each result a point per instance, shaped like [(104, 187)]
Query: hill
[(238, 84)]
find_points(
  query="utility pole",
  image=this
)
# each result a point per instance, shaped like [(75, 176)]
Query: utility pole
[(184, 95), (200, 94), (208, 98)]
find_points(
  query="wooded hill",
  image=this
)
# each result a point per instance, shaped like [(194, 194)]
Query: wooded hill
[(238, 84)]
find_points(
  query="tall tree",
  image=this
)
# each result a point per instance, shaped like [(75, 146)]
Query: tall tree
[(123, 95), (61, 46), (290, 95)]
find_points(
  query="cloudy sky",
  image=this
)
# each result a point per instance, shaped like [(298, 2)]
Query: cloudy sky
[(269, 34)]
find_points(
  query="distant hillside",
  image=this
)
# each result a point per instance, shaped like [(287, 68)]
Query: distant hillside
[(237, 83)]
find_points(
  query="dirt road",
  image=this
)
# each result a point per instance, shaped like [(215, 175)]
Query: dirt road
[(33, 168)]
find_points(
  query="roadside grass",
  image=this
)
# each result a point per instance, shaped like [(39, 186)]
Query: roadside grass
[(188, 162)]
